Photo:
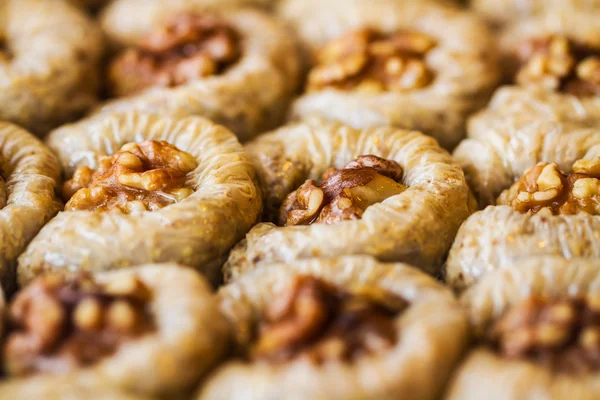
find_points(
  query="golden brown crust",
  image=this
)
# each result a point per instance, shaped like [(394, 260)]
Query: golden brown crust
[(463, 64), (410, 367), (51, 75), (250, 97), (400, 228), (197, 231)]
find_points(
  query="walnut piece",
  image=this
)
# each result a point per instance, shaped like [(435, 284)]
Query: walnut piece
[(558, 64), (141, 176), (189, 47), (369, 61), (563, 334), (546, 190), (344, 194), (313, 319), (56, 326)]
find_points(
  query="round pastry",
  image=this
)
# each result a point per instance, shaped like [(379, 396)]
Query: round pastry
[(238, 68), (340, 328), (29, 177), (410, 64), (334, 190), (500, 11), (554, 61), (545, 212), (153, 330), (144, 188), (538, 328), (49, 55)]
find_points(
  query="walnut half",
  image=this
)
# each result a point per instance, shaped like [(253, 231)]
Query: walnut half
[(369, 61), (189, 47), (343, 194), (56, 325), (313, 319), (557, 63), (561, 333), (545, 189), (141, 176)]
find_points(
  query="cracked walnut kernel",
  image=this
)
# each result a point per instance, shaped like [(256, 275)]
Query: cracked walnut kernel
[(546, 190), (189, 47), (55, 325), (141, 176), (563, 334), (368, 61), (313, 319), (344, 194), (556, 63)]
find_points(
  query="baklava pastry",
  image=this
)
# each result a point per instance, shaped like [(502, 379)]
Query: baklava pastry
[(49, 55), (339, 328), (547, 211), (547, 113), (410, 64), (332, 190), (238, 67), (143, 188), (151, 330), (538, 330), (29, 177)]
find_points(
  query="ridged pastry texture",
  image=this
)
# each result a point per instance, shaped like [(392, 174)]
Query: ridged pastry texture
[(190, 335), (50, 73), (503, 11), (432, 336), (522, 127), (197, 231), (31, 174), (400, 228), (250, 97), (463, 63), (499, 236), (484, 371)]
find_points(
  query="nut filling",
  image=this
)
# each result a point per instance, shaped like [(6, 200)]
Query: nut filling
[(344, 194), (189, 47), (315, 320), (544, 189), (56, 326), (140, 177), (556, 63), (563, 334), (369, 61)]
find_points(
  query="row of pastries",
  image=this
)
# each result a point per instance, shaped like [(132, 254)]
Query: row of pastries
[(260, 199)]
